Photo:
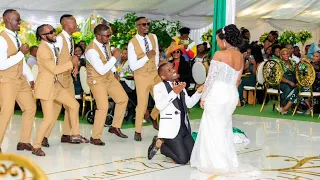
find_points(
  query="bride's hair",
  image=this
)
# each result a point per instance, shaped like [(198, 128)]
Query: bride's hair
[(232, 35)]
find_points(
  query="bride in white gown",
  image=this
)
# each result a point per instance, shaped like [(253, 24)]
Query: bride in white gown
[(214, 150)]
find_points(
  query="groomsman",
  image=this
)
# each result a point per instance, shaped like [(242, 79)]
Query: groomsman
[(143, 53), (103, 83), (65, 44), (13, 84), (49, 89)]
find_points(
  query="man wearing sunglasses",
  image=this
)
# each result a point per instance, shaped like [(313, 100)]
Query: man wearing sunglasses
[(102, 82), (13, 84), (65, 44), (143, 56), (50, 90)]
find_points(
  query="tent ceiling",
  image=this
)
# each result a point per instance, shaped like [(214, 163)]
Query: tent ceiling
[(192, 13)]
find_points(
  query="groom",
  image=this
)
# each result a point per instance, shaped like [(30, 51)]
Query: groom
[(174, 138)]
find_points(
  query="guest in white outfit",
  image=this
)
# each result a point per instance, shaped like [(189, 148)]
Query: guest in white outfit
[(32, 60)]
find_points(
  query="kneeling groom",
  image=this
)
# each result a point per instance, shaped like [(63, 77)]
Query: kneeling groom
[(174, 138)]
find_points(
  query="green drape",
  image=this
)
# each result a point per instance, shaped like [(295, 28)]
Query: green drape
[(219, 20)]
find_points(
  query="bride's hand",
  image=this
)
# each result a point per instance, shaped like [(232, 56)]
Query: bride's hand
[(202, 104)]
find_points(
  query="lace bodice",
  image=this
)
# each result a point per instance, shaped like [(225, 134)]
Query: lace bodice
[(219, 71)]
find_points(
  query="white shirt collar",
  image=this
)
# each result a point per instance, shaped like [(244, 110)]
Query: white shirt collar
[(66, 35), (141, 37), (50, 45), (10, 32)]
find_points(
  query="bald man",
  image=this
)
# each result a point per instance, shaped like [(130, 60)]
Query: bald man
[(65, 44), (13, 83)]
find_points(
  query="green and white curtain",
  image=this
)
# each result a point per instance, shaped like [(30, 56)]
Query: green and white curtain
[(224, 13)]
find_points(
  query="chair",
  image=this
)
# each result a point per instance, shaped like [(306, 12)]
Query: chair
[(259, 76), (16, 166), (305, 75), (87, 96), (272, 75)]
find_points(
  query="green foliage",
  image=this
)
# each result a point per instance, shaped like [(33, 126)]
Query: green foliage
[(304, 35), (263, 37)]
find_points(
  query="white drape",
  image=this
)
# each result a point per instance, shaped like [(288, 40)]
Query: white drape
[(231, 12)]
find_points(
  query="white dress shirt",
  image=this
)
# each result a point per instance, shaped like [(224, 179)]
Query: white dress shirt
[(52, 49), (295, 58), (32, 60), (130, 83), (59, 41), (94, 59), (136, 63), (6, 62)]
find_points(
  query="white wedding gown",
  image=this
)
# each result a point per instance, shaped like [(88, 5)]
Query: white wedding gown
[(214, 150)]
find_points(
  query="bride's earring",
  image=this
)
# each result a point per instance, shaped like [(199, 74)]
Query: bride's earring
[(224, 45)]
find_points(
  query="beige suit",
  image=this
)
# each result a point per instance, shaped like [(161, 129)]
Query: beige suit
[(66, 81), (101, 86), (14, 87), (145, 78), (50, 91)]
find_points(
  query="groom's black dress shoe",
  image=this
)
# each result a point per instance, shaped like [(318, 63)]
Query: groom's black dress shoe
[(153, 149)]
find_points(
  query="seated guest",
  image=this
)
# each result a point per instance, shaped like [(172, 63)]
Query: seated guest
[(32, 60), (179, 63), (296, 51), (316, 65), (268, 54), (128, 85), (291, 55), (276, 52), (288, 84), (78, 51), (250, 66), (174, 138), (202, 55)]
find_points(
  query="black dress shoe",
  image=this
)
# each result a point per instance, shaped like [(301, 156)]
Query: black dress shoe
[(45, 142), (153, 149), (117, 132), (137, 136), (153, 122)]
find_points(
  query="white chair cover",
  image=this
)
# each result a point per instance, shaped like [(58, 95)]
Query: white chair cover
[(83, 80)]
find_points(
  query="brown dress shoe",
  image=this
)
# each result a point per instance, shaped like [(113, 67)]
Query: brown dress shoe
[(153, 122), (24, 146), (38, 152), (137, 136), (45, 142), (76, 139), (117, 132), (96, 142), (65, 138)]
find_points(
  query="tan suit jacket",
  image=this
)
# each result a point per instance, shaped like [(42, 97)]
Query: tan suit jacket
[(48, 70)]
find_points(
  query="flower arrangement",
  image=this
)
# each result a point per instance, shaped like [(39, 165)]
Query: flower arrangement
[(207, 36), (125, 29), (303, 36), (263, 37), (77, 36), (288, 37)]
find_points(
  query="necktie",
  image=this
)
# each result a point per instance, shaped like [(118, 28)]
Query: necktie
[(146, 44), (18, 42), (71, 46), (106, 51), (55, 50)]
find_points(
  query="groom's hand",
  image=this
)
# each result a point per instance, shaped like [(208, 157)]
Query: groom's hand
[(177, 88)]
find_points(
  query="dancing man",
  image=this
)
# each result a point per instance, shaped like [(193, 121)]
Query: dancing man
[(102, 83), (174, 138), (143, 53), (50, 90), (13, 84), (65, 45)]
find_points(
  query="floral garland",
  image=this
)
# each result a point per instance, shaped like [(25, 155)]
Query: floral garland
[(207, 36)]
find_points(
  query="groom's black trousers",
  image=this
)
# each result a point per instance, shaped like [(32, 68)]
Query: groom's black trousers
[(180, 148)]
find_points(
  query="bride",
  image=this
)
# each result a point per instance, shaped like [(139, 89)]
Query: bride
[(214, 150)]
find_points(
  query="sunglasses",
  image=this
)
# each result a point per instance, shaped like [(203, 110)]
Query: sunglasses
[(176, 52), (50, 32), (144, 24)]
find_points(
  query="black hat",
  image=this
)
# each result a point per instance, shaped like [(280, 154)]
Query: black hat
[(184, 30)]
